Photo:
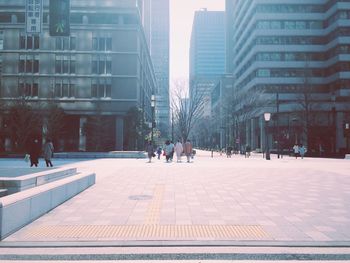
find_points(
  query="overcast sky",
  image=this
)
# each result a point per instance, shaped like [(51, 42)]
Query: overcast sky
[(181, 18)]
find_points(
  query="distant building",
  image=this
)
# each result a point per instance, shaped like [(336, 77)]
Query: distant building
[(297, 54), (102, 70), (207, 54), (229, 31), (159, 47)]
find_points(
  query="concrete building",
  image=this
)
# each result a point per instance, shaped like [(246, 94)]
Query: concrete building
[(295, 53), (207, 54), (102, 70)]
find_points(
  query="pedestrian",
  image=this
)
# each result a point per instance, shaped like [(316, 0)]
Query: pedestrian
[(296, 150), (150, 151), (34, 153), (178, 150), (169, 148), (247, 151), (188, 150), (48, 152), (229, 151), (302, 151), (172, 153), (159, 152)]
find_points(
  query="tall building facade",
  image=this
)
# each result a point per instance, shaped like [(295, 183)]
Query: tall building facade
[(101, 71), (295, 54), (159, 47), (207, 54)]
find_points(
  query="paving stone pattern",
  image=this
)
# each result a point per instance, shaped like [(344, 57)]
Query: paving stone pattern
[(288, 199)]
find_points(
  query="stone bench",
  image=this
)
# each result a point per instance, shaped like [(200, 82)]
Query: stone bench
[(24, 182), (20, 209), (3, 192), (347, 156), (100, 155)]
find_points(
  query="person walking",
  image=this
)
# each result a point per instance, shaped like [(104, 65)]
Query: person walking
[(150, 151), (34, 153), (247, 151), (296, 150), (169, 149), (178, 150), (159, 152), (48, 152), (302, 151), (188, 150), (172, 153)]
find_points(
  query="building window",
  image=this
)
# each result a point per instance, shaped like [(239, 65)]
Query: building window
[(102, 43), (28, 64), (66, 43), (101, 65), (28, 89), (65, 64), (101, 88), (64, 89), (29, 42)]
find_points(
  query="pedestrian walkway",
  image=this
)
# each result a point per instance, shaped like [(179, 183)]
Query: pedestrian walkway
[(282, 201)]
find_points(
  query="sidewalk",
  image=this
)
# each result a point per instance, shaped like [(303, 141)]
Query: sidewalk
[(212, 200)]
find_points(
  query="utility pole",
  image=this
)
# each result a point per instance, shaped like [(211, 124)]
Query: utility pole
[(278, 124)]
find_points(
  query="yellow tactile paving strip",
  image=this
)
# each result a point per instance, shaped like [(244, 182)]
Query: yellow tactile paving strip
[(153, 212), (161, 232)]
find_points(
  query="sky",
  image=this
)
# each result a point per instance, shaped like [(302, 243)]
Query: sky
[(181, 19)]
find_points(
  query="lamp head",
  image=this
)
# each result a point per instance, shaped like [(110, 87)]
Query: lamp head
[(267, 116)]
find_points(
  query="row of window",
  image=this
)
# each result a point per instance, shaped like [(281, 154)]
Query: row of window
[(29, 42), (292, 9), (64, 64), (299, 24), (65, 43), (64, 89), (294, 73), (339, 32), (289, 8), (296, 56), (75, 18), (28, 64)]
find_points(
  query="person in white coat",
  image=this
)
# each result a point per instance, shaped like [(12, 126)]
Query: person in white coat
[(178, 150)]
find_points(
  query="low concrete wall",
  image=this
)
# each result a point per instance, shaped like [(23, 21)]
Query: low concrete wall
[(24, 182), (20, 209), (100, 155)]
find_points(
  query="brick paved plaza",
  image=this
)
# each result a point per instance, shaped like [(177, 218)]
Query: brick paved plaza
[(209, 200)]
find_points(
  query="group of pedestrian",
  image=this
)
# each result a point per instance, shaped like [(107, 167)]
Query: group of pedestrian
[(299, 150), (35, 152), (169, 149)]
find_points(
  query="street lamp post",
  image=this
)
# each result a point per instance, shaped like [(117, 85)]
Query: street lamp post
[(153, 104), (267, 117)]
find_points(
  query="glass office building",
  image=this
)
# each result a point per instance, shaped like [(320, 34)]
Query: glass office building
[(207, 53)]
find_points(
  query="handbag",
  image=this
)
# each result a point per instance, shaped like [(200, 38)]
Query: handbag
[(26, 157)]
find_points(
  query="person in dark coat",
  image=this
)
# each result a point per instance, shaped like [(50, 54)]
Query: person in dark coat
[(48, 152), (34, 153), (150, 151)]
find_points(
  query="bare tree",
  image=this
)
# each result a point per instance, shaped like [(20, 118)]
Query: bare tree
[(186, 109), (53, 122), (306, 102), (24, 123), (243, 106)]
